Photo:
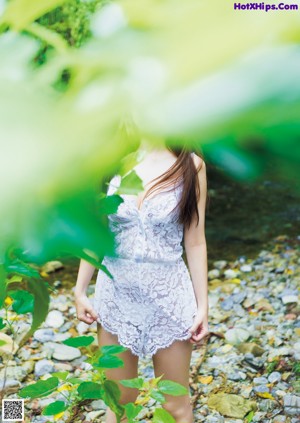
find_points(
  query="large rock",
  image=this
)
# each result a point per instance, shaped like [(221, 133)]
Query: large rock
[(63, 352), (236, 336), (55, 319), (250, 347), (231, 405)]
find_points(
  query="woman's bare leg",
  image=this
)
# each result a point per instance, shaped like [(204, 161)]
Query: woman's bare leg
[(129, 371), (174, 362)]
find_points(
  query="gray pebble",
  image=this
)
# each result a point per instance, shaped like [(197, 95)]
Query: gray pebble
[(274, 377), (261, 388), (260, 380), (291, 405), (43, 367), (44, 335)]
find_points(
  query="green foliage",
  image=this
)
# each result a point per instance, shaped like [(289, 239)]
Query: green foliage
[(55, 407), (23, 301), (171, 388), (99, 387), (72, 20), (131, 411), (162, 416), (136, 382), (109, 361), (79, 341), (90, 390), (67, 125), (42, 388), (112, 349)]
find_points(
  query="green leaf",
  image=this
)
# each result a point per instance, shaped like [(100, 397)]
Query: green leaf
[(90, 390), (110, 362), (113, 349), (249, 416), (50, 37), (109, 204), (79, 341), (171, 388), (61, 375), (130, 184), (3, 284), (20, 13), (136, 382), (158, 396), (2, 325), (112, 395), (132, 410), (75, 380), (2, 342), (23, 301), (39, 289), (162, 416), (15, 262), (55, 408), (41, 388)]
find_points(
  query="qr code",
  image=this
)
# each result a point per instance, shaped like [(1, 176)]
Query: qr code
[(12, 410)]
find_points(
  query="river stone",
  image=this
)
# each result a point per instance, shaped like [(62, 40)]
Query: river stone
[(279, 419), (230, 273), (220, 264), (231, 405), (98, 405), (251, 347), (9, 347), (92, 415), (11, 386), (236, 336), (246, 268), (260, 380), (274, 377), (213, 274), (52, 266), (267, 405), (261, 389), (44, 335), (64, 352), (55, 319), (291, 405), (14, 372), (288, 299), (43, 367)]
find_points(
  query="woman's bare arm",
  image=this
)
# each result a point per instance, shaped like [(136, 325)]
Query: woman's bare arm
[(85, 274), (196, 253), (195, 244)]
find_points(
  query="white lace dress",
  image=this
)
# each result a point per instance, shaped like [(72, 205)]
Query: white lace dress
[(150, 302)]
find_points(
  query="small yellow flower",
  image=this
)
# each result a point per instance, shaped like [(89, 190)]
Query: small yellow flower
[(8, 301), (265, 395), (205, 379), (64, 387), (58, 416)]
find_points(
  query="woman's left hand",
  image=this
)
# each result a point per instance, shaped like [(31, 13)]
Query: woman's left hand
[(199, 329)]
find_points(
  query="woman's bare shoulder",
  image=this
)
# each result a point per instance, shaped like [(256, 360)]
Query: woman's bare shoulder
[(199, 162)]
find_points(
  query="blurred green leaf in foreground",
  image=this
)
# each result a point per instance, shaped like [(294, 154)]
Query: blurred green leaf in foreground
[(222, 80)]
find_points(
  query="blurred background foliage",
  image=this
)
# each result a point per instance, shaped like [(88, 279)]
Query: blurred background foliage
[(83, 82)]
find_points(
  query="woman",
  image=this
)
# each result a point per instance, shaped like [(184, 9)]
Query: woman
[(154, 305)]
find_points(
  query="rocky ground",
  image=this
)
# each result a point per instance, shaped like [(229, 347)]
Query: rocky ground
[(247, 371)]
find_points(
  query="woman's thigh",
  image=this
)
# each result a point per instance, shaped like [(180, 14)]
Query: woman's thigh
[(174, 362), (130, 369)]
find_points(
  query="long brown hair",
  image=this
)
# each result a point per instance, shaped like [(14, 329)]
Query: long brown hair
[(184, 168)]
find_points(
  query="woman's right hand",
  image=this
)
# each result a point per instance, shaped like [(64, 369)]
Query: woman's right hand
[(84, 309)]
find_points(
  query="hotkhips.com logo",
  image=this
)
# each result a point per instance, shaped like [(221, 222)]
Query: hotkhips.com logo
[(265, 6)]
